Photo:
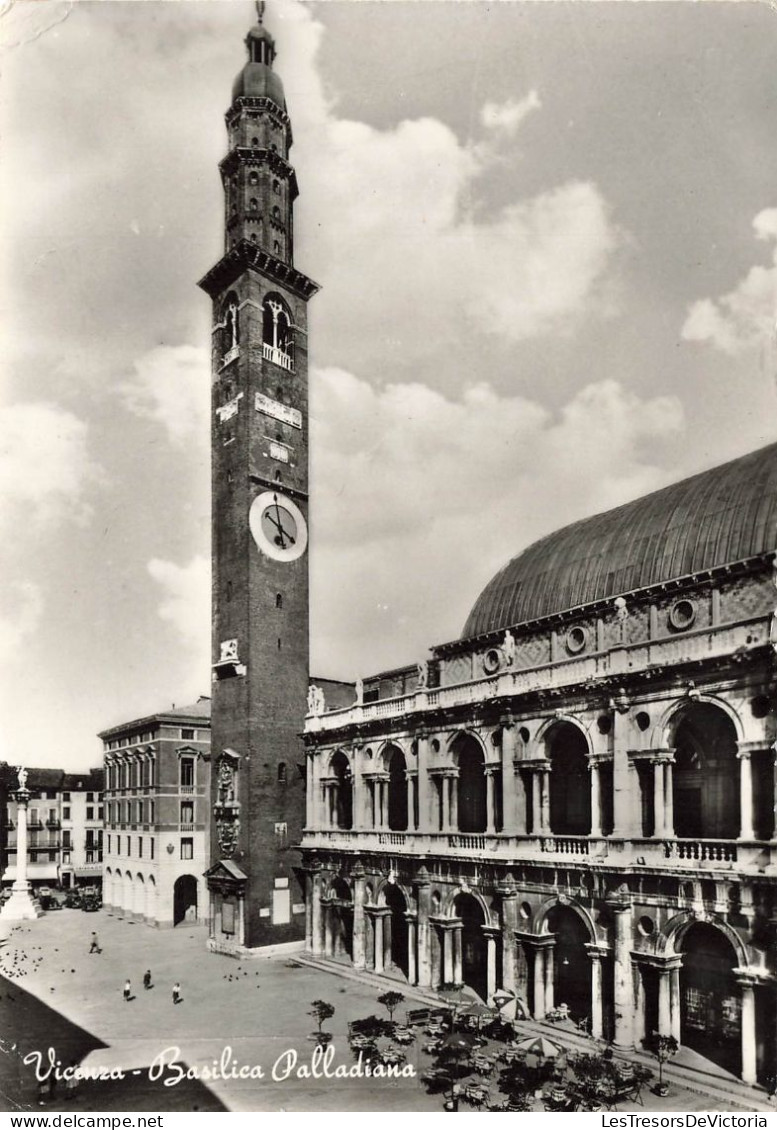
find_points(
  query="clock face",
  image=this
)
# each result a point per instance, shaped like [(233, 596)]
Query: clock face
[(278, 526)]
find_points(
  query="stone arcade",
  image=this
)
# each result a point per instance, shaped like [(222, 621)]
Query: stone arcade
[(575, 800)]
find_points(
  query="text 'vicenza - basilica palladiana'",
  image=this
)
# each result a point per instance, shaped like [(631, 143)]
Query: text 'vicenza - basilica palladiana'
[(575, 801)]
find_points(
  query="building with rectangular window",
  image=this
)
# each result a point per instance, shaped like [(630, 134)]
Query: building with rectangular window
[(157, 815), (64, 828)]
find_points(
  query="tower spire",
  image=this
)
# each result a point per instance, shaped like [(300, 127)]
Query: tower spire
[(260, 12)]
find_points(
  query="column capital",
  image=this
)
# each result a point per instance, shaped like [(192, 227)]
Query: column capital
[(596, 950), (744, 749), (491, 768)]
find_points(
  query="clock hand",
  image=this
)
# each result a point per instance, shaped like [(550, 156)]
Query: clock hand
[(282, 531)]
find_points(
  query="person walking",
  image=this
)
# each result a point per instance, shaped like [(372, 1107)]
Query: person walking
[(128, 990), (177, 993), (95, 946), (147, 979)]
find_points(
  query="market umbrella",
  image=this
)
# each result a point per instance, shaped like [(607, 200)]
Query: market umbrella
[(539, 1046), (459, 1041)]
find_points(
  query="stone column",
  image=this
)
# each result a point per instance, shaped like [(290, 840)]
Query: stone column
[(412, 966), (446, 938), (490, 805), (379, 952), (623, 988), (315, 919), (454, 800), (491, 963), (456, 937), (596, 798), (328, 916), (748, 1029), (357, 789), (639, 1008), (550, 998), (597, 1027), (659, 819), (669, 797), (545, 799), (425, 821), (664, 1002), (746, 831), (511, 800), (423, 931), (536, 802), (436, 953), (410, 778), (674, 1000), (359, 925), (310, 789), (539, 983), (509, 923), (20, 906)]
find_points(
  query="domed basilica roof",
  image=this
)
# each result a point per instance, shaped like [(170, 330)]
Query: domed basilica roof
[(715, 518)]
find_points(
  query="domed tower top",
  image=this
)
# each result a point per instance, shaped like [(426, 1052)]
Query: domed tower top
[(257, 78)]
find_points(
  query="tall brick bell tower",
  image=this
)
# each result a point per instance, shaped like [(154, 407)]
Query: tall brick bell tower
[(260, 524)]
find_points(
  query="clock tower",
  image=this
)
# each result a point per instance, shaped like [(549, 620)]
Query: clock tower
[(259, 444)]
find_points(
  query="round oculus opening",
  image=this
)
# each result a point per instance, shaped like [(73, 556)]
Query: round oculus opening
[(525, 910), (646, 926), (604, 723), (643, 720), (492, 661), (576, 640), (682, 614)]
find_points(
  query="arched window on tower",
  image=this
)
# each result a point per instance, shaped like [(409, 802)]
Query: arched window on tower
[(277, 338), (253, 177), (229, 328), (276, 187), (253, 204)]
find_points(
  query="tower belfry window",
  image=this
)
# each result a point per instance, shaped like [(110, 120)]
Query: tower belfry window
[(277, 342)]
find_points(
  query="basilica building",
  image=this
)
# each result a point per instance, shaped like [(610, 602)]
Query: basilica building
[(575, 801)]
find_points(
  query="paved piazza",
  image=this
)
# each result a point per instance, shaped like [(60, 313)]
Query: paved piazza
[(257, 1008)]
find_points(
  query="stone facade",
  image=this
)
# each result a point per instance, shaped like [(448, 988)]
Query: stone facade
[(64, 829), (157, 816), (580, 810)]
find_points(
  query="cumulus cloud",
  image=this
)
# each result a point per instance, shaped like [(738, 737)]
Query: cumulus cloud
[(170, 386), (186, 603), (746, 317), (45, 467), (451, 489), (509, 115), (397, 220), (21, 609)]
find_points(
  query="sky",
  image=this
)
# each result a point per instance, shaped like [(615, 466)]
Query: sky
[(546, 236)]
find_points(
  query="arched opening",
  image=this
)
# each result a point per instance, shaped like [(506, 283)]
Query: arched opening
[(474, 947), (710, 1001), (343, 807), (570, 781), (395, 926), (341, 919), (397, 791), (571, 963), (140, 897), (276, 331), (706, 774), (184, 899), (151, 899), (471, 786), (230, 323)]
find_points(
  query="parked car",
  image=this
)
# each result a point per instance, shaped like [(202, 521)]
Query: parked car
[(73, 900), (44, 893), (91, 904)]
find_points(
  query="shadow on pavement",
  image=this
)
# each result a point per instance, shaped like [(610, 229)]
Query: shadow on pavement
[(27, 1025)]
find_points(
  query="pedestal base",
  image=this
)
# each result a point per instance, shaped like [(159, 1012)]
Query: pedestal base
[(20, 906)]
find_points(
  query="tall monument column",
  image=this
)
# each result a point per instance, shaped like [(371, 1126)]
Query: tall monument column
[(21, 905)]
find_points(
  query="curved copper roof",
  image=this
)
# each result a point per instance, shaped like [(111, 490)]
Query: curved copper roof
[(715, 518)]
